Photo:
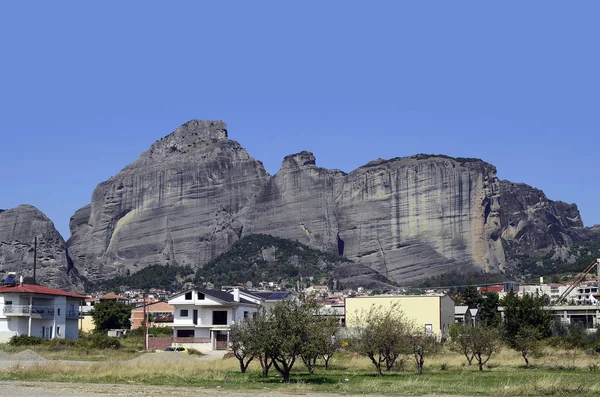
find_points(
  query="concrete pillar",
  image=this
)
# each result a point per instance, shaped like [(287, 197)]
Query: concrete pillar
[(30, 310)]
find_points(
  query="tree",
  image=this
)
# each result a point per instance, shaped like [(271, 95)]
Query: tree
[(250, 339), (111, 315), (461, 340), (382, 334), (423, 345), (477, 343), (321, 340), (527, 341), (287, 334), (470, 297), (241, 338), (526, 321), (488, 309), (484, 341)]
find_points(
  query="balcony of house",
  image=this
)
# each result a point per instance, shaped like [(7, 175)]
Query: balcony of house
[(28, 311), (74, 314)]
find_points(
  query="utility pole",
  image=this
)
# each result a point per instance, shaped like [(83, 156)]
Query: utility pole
[(145, 329), (34, 258)]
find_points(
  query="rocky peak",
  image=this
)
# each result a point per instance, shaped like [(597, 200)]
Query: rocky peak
[(190, 135), (19, 228), (298, 161)]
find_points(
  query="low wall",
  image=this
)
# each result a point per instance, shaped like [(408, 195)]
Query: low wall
[(161, 343)]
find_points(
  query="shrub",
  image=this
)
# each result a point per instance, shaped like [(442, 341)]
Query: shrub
[(101, 342), (197, 352), (24, 340)]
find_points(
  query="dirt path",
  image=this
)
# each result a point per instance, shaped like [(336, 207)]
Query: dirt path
[(57, 389)]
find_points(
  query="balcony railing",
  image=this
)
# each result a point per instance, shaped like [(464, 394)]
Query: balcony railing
[(25, 310), (73, 314)]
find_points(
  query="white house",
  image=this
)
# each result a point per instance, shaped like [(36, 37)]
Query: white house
[(202, 317), (34, 310)]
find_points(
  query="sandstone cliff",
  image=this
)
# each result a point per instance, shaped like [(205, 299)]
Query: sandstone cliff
[(195, 193), (18, 229)]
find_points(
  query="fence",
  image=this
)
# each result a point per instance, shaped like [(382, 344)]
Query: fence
[(161, 343)]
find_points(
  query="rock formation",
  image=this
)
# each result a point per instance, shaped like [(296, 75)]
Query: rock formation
[(534, 225), (195, 192), (177, 204), (18, 229)]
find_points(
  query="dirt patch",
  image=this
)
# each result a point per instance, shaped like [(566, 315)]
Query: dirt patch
[(57, 389), (27, 355)]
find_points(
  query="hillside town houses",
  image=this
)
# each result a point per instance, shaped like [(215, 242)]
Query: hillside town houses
[(201, 318)]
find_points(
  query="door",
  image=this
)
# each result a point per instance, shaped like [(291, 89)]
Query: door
[(222, 340)]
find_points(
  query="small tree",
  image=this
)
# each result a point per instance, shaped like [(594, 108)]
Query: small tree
[(484, 341), (242, 345), (460, 340), (111, 315), (287, 334), (250, 339), (527, 341), (320, 341), (329, 347), (423, 345), (382, 334)]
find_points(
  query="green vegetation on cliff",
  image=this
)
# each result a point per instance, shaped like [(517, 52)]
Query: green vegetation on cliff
[(261, 257), (165, 277)]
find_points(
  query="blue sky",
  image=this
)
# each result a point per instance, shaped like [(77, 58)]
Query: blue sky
[(87, 86)]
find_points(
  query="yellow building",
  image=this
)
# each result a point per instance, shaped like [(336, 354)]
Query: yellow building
[(86, 323), (434, 313)]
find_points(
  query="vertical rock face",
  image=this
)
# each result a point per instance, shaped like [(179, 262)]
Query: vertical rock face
[(18, 229), (177, 204), (417, 217), (298, 203)]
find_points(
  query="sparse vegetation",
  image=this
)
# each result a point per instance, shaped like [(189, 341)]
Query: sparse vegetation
[(170, 278), (261, 257)]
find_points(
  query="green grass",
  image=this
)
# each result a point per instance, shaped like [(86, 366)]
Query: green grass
[(559, 373)]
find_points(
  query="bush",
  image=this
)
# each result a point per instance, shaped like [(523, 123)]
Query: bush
[(101, 342), (24, 340)]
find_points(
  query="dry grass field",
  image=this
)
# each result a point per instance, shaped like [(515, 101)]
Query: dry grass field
[(558, 372)]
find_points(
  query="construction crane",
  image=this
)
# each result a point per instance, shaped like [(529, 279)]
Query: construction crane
[(579, 279)]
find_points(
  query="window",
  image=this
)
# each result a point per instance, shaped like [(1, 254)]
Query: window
[(185, 333), (58, 312), (8, 303), (58, 330), (183, 313), (188, 296), (428, 329), (246, 314), (219, 317), (200, 296)]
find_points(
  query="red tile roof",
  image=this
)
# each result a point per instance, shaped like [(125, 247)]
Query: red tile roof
[(492, 288), (37, 289)]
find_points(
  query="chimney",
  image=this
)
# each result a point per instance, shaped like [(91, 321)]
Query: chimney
[(236, 294), (21, 280)]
